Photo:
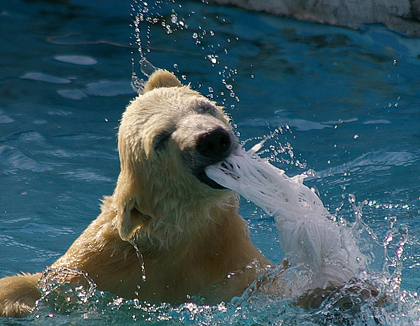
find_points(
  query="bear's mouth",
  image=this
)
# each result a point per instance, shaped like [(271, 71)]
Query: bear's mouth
[(202, 176)]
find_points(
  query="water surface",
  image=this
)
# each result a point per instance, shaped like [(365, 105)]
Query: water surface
[(341, 104)]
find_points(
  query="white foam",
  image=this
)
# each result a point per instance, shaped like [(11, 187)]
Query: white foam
[(308, 234)]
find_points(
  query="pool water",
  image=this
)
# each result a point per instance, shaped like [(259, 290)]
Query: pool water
[(339, 104)]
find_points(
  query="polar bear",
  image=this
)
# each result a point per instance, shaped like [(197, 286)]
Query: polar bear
[(168, 232)]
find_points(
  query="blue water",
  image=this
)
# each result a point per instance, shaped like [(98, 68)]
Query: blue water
[(341, 104)]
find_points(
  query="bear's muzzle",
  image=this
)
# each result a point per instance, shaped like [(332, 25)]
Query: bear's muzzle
[(211, 147)]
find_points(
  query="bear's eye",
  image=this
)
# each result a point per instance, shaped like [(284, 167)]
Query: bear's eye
[(207, 108), (160, 141)]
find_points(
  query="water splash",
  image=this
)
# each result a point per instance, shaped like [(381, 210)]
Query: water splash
[(62, 296), (139, 14), (373, 293), (349, 305), (324, 252), (189, 35), (271, 148), (386, 255), (146, 67), (140, 259)]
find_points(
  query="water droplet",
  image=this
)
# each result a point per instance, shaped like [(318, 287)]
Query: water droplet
[(403, 230), (141, 260), (146, 67)]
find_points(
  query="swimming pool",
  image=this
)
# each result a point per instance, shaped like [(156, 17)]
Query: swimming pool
[(341, 104)]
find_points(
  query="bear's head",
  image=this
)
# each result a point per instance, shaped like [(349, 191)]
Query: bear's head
[(167, 137)]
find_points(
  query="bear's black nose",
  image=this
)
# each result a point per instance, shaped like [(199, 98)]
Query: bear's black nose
[(214, 145)]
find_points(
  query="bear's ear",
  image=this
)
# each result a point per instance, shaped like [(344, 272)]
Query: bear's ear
[(129, 220), (161, 78)]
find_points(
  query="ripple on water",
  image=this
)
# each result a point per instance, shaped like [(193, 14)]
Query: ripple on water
[(77, 59), (74, 94), (4, 118), (13, 159), (109, 88), (103, 88), (373, 161), (38, 76), (86, 175), (298, 124)]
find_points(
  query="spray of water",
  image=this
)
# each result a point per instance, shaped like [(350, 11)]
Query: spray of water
[(198, 42), (308, 234), (139, 16), (140, 259)]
